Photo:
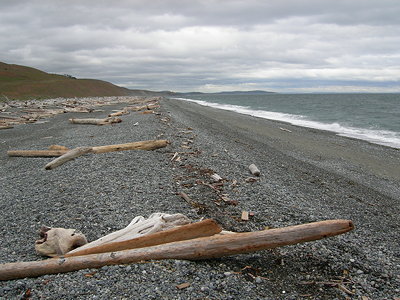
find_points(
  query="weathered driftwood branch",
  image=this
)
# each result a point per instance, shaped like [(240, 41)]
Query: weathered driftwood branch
[(186, 232), (74, 153), (141, 226), (37, 153), (70, 155), (200, 248), (105, 121), (143, 145)]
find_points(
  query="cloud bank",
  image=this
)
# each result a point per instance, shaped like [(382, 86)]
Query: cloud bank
[(285, 46)]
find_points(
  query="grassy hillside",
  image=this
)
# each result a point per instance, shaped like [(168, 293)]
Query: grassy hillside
[(20, 82)]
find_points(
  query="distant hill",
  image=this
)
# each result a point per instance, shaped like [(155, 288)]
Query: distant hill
[(20, 82), (255, 92)]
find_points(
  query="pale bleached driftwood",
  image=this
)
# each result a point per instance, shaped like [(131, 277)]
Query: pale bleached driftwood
[(254, 170), (181, 233), (36, 153), (90, 121), (245, 215), (57, 241), (216, 177), (70, 155), (143, 145), (200, 248), (119, 113), (140, 226)]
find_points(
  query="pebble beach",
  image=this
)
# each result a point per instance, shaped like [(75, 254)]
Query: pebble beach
[(307, 175)]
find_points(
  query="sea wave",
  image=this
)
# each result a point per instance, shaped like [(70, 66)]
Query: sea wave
[(380, 137)]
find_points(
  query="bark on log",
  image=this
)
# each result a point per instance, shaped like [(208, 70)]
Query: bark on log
[(186, 232), (36, 153), (143, 145), (70, 155), (200, 248)]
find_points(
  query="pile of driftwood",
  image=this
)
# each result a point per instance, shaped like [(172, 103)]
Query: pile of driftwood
[(64, 154), (151, 239), (24, 112)]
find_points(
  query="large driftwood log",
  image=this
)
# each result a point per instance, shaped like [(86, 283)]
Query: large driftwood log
[(143, 145), (185, 232), (200, 248), (71, 154), (105, 121)]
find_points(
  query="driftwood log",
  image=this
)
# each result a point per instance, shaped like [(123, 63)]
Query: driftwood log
[(185, 232), (74, 153), (105, 121), (36, 153), (142, 145), (67, 155), (200, 248)]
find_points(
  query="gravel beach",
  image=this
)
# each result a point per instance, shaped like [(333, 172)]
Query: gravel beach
[(306, 175)]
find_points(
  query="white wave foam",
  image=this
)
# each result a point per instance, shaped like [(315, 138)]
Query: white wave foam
[(380, 137)]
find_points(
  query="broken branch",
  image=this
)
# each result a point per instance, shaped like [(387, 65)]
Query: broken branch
[(70, 155)]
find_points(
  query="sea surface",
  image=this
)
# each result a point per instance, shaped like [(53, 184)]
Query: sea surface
[(371, 117)]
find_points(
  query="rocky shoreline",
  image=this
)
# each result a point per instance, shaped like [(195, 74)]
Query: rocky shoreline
[(306, 175)]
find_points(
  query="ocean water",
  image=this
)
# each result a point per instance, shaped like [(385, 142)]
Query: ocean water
[(371, 117)]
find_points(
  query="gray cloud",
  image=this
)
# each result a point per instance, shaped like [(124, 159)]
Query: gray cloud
[(290, 45)]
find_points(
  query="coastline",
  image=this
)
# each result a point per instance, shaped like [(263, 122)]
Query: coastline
[(306, 175)]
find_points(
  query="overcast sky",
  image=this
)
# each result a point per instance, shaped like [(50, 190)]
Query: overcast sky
[(281, 46)]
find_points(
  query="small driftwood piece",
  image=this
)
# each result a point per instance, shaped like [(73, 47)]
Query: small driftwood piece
[(245, 215), (105, 121), (200, 248), (185, 232), (119, 113), (57, 241), (70, 155), (254, 170), (216, 177)]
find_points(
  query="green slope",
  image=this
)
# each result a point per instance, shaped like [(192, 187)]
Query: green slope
[(20, 82)]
